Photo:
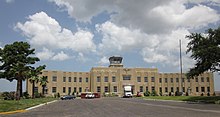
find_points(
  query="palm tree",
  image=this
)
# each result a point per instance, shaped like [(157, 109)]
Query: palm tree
[(34, 77), (43, 82), (33, 80)]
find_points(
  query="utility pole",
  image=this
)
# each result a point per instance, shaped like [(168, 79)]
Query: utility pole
[(181, 68)]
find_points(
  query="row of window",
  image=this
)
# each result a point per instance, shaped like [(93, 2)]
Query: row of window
[(106, 89), (54, 79), (54, 89), (115, 89), (172, 89), (128, 77)]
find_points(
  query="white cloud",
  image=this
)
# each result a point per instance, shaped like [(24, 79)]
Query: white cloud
[(150, 16), (61, 56), (104, 60), (9, 1), (160, 48), (44, 31), (152, 28), (45, 54)]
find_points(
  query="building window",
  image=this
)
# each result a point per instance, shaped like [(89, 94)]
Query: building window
[(145, 79), (152, 88), (207, 79), (126, 77), (70, 79), (160, 89), (98, 89), (172, 89), (188, 79), (69, 90), (54, 78), (146, 88), (80, 89), (80, 79), (197, 80), (183, 80), (106, 89), (197, 89), (35, 89), (54, 89), (138, 79), (98, 79), (177, 89), (64, 89), (166, 89), (202, 89), (106, 79), (141, 89), (115, 89), (208, 89), (64, 79), (75, 79), (87, 79), (74, 89), (183, 89), (113, 79), (171, 80), (166, 80), (177, 79), (152, 79), (160, 80), (202, 79)]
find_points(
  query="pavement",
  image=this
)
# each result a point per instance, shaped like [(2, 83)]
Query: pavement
[(122, 107)]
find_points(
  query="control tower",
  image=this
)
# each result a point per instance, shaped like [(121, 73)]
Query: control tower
[(115, 61)]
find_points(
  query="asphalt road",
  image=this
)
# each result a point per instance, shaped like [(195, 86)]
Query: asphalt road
[(121, 107)]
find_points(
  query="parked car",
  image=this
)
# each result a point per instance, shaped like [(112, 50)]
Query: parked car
[(90, 95), (68, 97)]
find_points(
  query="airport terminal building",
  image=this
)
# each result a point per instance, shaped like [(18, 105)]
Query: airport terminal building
[(113, 79)]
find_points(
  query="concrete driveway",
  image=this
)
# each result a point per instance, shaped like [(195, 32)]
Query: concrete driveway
[(121, 107)]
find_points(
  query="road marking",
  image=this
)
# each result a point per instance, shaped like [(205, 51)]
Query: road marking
[(12, 112), (40, 105), (175, 107)]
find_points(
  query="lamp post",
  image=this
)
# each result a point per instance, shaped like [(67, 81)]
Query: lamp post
[(181, 68)]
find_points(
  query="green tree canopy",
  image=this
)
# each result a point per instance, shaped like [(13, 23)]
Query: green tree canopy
[(16, 63), (205, 50)]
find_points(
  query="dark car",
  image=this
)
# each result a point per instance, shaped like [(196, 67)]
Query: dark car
[(68, 97)]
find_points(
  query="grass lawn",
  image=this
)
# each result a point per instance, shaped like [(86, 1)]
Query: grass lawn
[(12, 105), (205, 99)]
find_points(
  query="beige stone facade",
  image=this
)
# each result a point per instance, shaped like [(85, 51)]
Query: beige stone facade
[(112, 80)]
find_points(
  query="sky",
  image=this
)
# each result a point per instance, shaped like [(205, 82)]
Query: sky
[(76, 35)]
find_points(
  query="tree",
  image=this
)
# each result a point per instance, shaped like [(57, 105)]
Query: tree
[(43, 82), (205, 49), (35, 78), (15, 63)]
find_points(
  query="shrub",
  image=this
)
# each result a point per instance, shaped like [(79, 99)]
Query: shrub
[(170, 94), (208, 94), (161, 94), (26, 95), (154, 93), (8, 95), (147, 93), (187, 94), (58, 95)]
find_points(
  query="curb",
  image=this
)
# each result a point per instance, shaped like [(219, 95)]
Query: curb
[(12, 112), (25, 110), (40, 105), (165, 100)]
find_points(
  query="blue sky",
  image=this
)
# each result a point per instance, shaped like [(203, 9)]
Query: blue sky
[(76, 35)]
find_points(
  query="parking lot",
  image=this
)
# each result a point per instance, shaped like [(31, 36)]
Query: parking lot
[(121, 107)]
